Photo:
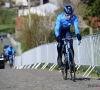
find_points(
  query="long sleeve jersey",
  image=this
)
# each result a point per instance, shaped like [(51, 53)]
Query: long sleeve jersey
[(10, 51), (62, 23)]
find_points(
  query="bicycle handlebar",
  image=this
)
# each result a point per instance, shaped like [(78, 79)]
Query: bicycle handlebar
[(64, 39)]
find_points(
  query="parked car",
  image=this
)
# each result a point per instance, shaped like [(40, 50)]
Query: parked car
[(2, 61)]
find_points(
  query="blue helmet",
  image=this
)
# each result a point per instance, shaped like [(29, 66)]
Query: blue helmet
[(68, 9)]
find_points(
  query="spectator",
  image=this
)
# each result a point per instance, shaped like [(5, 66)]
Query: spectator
[(1, 38)]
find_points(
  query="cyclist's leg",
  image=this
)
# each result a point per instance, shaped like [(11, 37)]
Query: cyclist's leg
[(71, 46), (73, 55), (59, 50)]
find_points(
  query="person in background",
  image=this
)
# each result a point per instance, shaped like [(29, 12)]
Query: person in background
[(10, 51), (1, 38)]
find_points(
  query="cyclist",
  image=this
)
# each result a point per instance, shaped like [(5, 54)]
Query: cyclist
[(10, 51), (62, 30), (1, 38)]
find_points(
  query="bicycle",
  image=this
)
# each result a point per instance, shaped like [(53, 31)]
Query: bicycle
[(68, 62), (11, 59)]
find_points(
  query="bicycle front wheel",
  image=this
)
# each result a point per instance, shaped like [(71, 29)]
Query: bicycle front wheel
[(65, 72), (72, 65)]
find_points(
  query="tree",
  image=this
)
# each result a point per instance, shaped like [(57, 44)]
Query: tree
[(88, 2), (94, 9), (40, 32)]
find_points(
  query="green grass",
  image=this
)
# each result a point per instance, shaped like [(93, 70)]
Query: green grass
[(0, 49), (81, 71), (94, 73), (6, 26)]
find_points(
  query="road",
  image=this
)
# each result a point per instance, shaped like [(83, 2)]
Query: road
[(5, 42), (36, 79), (31, 79)]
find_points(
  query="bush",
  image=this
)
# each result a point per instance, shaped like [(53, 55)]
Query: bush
[(7, 16), (97, 30), (85, 32), (8, 30), (40, 32)]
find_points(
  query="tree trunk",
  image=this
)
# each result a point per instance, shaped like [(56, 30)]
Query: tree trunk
[(90, 30)]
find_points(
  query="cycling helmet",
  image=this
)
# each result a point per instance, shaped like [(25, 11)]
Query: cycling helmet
[(68, 9)]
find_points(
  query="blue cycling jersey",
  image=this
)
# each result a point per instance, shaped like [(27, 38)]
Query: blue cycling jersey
[(9, 51), (63, 24)]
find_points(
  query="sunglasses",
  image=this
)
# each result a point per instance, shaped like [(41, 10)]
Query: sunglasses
[(68, 14)]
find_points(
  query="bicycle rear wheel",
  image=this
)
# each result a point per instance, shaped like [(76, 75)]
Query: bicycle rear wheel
[(72, 65)]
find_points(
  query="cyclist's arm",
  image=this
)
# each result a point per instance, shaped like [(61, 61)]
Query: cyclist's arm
[(76, 26), (13, 51), (57, 26)]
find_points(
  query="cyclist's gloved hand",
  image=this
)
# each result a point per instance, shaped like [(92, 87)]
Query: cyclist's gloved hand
[(79, 37), (58, 38)]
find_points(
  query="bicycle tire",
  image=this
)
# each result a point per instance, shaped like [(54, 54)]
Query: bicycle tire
[(72, 65), (65, 72)]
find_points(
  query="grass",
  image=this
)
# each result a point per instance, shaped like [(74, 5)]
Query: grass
[(81, 70), (94, 73), (0, 49), (6, 26)]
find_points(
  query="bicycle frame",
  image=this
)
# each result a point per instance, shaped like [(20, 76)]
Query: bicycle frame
[(67, 44)]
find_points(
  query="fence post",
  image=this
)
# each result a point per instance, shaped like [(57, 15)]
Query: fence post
[(92, 51), (78, 49)]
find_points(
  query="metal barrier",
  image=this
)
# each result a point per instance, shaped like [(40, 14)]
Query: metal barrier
[(87, 53)]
